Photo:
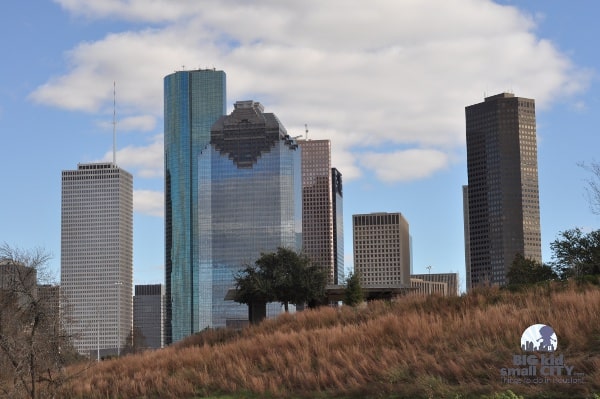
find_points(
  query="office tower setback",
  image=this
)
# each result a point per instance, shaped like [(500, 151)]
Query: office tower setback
[(249, 203), (503, 197), (97, 256), (148, 316), (322, 216), (193, 101), (381, 249)]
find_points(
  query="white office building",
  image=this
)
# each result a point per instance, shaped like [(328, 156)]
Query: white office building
[(97, 257), (381, 249)]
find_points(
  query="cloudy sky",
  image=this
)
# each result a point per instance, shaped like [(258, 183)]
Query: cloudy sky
[(386, 82)]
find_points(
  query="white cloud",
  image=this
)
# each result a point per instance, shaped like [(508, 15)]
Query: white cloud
[(146, 160), (378, 78), (143, 123), (149, 202), (405, 165), (140, 123)]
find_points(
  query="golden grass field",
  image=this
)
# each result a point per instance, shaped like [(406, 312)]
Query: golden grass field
[(412, 347)]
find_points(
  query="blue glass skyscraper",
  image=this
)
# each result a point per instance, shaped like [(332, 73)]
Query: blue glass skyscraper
[(249, 203), (193, 102)]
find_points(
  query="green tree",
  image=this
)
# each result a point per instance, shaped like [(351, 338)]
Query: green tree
[(284, 276), (576, 254), (528, 271), (253, 285), (353, 294)]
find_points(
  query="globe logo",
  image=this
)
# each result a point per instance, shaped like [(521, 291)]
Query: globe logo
[(539, 338)]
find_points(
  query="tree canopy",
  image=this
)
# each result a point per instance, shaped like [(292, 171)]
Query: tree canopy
[(525, 271), (353, 294), (283, 276), (576, 254)]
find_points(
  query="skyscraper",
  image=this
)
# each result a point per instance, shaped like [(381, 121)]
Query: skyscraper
[(381, 249), (322, 216), (503, 197), (148, 316), (193, 101), (249, 203), (97, 256), (338, 227)]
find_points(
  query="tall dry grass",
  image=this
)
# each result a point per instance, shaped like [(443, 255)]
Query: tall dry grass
[(411, 347)]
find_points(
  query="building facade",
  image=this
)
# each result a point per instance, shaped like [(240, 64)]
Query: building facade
[(249, 203), (381, 249), (450, 280), (503, 196), (149, 316), (193, 101), (419, 286), (97, 256), (18, 284), (322, 209), (338, 227), (17, 277), (467, 235)]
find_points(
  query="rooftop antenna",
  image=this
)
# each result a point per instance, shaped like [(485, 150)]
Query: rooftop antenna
[(306, 131), (114, 123)]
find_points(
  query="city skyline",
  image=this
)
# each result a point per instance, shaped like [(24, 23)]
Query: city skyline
[(390, 97)]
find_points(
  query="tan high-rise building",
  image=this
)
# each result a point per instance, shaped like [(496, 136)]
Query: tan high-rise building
[(503, 197), (322, 216), (96, 260), (381, 249)]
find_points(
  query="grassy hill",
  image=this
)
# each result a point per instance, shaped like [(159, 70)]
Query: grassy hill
[(413, 347)]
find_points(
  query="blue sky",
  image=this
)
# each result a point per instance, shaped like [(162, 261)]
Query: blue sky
[(387, 84)]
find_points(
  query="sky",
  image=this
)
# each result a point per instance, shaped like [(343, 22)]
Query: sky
[(386, 81)]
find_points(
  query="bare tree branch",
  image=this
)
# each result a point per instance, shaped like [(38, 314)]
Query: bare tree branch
[(33, 343), (593, 187)]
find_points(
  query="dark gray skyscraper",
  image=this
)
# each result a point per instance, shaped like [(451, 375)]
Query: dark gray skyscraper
[(503, 197), (148, 316)]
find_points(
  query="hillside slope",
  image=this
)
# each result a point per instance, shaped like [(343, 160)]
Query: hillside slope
[(412, 347)]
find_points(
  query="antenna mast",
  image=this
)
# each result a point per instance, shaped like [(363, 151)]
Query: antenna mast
[(114, 123), (306, 131)]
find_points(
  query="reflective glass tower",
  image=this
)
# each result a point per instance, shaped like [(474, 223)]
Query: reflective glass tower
[(249, 203), (503, 212), (193, 101)]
